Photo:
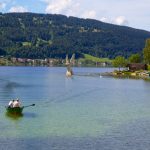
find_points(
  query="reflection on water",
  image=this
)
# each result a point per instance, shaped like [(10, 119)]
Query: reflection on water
[(18, 116), (13, 116), (74, 113)]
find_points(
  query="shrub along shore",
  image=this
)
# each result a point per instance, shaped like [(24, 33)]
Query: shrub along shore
[(140, 74)]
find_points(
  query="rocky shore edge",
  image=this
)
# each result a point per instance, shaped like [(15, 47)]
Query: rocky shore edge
[(142, 74)]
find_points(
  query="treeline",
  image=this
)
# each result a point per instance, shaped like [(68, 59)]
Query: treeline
[(29, 35), (120, 61)]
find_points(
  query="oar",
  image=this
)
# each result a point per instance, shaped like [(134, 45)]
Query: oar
[(29, 105)]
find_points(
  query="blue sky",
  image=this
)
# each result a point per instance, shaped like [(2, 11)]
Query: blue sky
[(133, 13)]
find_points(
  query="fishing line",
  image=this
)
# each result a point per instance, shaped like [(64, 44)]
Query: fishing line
[(67, 98), (43, 103), (46, 102), (78, 95), (67, 95)]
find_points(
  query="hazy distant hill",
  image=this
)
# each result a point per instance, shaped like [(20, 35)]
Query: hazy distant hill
[(45, 35)]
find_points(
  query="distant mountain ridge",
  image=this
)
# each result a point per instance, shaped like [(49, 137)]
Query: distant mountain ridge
[(30, 35)]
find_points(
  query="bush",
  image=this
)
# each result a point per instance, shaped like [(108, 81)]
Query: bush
[(149, 67)]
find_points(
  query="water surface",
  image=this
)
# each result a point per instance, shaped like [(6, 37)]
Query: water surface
[(83, 112)]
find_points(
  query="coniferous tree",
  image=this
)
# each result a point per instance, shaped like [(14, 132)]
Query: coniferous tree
[(146, 51), (25, 34)]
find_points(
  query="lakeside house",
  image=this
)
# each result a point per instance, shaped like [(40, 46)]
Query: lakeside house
[(137, 66)]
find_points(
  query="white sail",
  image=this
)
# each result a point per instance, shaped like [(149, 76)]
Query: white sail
[(69, 72), (72, 60), (67, 60)]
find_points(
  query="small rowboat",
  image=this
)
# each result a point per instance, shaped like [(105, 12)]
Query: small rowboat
[(15, 110)]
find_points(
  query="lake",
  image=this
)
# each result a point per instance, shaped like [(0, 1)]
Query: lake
[(79, 113)]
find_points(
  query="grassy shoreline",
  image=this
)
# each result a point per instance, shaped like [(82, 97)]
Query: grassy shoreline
[(141, 74)]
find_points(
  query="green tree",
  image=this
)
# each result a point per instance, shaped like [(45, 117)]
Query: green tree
[(135, 58), (146, 51), (119, 62), (2, 52)]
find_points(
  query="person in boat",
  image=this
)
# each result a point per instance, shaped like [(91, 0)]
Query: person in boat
[(17, 103), (11, 103)]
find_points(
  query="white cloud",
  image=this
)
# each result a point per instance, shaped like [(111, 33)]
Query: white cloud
[(18, 9), (104, 19), (73, 10), (121, 20), (57, 6), (2, 5), (68, 7), (89, 14)]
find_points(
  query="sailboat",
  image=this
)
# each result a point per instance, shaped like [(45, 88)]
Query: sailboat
[(69, 64)]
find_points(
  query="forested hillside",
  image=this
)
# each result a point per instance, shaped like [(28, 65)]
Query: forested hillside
[(44, 35)]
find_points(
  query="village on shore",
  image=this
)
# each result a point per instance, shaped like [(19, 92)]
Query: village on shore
[(13, 61), (131, 68)]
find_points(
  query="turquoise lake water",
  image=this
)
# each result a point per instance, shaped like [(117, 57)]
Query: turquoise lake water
[(82, 112)]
